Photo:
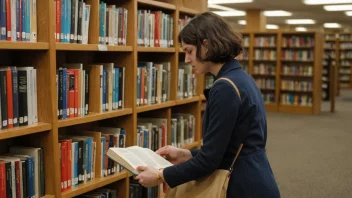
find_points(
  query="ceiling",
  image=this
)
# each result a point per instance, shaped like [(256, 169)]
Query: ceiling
[(298, 9)]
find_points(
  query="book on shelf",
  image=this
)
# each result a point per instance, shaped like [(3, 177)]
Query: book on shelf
[(83, 155), (78, 85), (153, 82), (22, 172), (134, 156), (112, 24), (152, 133), (297, 41), (154, 29), (101, 193), (186, 82), (139, 191), (18, 20), (72, 21), (182, 129), (18, 88), (265, 41), (182, 22)]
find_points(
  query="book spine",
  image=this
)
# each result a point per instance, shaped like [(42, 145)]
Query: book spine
[(3, 100), (15, 97)]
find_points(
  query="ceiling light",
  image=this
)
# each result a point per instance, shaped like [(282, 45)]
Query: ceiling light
[(300, 21), (219, 7), (228, 1), (321, 2), (301, 29), (332, 25), (271, 26), (348, 13), (242, 22), (338, 7), (273, 13), (230, 13)]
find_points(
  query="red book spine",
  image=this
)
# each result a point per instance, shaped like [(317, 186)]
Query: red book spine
[(18, 179), (8, 19), (69, 163), (63, 166), (2, 180), (9, 98), (58, 20)]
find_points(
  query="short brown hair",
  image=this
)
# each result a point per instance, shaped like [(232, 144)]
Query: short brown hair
[(223, 43)]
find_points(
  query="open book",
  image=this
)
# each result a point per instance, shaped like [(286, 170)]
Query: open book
[(134, 156)]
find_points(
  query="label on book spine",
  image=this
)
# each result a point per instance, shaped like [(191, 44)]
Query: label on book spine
[(102, 48)]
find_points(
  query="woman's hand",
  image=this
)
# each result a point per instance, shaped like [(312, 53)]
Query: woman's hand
[(174, 155), (148, 176)]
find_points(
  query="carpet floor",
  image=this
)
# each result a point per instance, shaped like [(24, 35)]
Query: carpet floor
[(311, 156)]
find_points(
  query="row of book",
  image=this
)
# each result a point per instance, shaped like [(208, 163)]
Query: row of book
[(301, 70), (264, 83), (22, 172), (83, 155), (331, 54), (186, 82), (154, 29), (295, 85), (183, 21), (72, 21), (18, 20), (265, 54), (264, 69), (346, 45), (18, 96), (209, 80), (100, 193), (296, 99), (243, 56), (345, 71), (268, 98), (138, 191), (345, 63), (265, 41), (89, 88), (153, 82), (246, 41), (298, 55), (112, 24), (330, 45), (347, 54), (182, 129), (298, 41)]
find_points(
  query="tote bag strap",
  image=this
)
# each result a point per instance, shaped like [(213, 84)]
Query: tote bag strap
[(250, 115)]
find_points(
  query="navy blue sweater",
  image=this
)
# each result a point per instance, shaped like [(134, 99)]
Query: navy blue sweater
[(224, 120)]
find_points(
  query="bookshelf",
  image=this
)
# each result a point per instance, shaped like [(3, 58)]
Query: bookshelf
[(80, 49), (331, 50), (286, 67)]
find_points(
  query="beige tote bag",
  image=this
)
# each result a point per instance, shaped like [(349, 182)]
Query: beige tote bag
[(212, 186)]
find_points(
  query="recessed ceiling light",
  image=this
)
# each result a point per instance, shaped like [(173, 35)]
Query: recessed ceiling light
[(230, 13), (219, 7), (228, 1), (272, 26), (272, 13), (332, 25), (242, 22), (320, 2), (348, 13), (300, 21), (338, 7), (301, 29)]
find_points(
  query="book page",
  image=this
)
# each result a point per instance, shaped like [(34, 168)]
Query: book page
[(160, 161), (129, 156)]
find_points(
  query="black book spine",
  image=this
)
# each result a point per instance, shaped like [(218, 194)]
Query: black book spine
[(42, 173), (22, 98), (120, 87), (15, 97), (86, 93), (3, 99), (60, 100), (80, 162), (73, 21), (8, 180), (79, 26), (24, 178)]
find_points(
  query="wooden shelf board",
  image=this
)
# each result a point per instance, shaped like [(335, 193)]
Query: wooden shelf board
[(202, 97), (187, 100), (49, 196), (24, 45), (155, 106), (192, 145), (188, 11), (295, 109), (296, 76), (157, 4), (92, 47), (180, 50), (94, 184), (271, 107), (24, 130), (156, 49), (91, 117)]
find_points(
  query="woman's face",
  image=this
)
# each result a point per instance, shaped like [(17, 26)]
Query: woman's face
[(191, 58)]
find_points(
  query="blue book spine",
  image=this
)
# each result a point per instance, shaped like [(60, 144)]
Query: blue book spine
[(18, 15), (3, 20), (117, 75), (101, 23), (30, 178), (63, 21), (28, 20), (23, 33), (90, 157), (64, 94), (146, 143)]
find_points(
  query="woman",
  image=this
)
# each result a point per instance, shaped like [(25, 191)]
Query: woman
[(211, 46)]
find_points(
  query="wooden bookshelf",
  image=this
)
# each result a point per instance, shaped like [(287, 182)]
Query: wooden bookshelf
[(47, 55), (277, 69)]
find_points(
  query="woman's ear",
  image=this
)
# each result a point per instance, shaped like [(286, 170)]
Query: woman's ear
[(205, 45)]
